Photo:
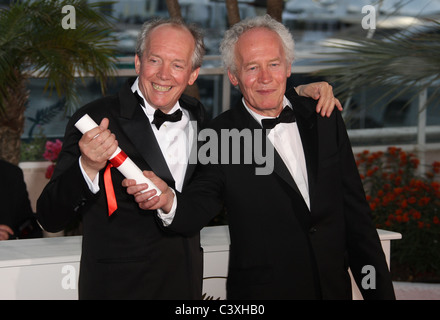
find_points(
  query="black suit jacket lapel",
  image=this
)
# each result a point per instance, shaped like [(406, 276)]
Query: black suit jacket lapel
[(306, 119), (139, 131), (192, 162), (197, 121), (279, 168)]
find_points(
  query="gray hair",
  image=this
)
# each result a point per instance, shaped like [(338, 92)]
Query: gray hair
[(227, 46), (149, 26)]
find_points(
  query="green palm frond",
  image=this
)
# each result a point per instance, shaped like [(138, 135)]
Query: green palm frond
[(45, 115), (402, 62), (12, 35), (33, 42)]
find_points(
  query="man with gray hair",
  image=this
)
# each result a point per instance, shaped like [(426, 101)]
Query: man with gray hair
[(125, 253), (295, 231)]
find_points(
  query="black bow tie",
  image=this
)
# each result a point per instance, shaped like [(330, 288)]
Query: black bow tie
[(287, 116), (160, 117)]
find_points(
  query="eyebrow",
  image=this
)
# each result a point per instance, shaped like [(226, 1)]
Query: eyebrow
[(254, 62), (175, 60)]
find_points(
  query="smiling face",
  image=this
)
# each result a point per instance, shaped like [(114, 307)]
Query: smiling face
[(262, 70), (165, 69)]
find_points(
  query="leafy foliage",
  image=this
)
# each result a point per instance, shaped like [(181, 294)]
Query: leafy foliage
[(403, 200), (401, 61), (34, 42), (45, 115)]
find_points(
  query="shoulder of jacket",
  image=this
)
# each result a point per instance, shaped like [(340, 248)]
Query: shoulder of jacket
[(190, 100)]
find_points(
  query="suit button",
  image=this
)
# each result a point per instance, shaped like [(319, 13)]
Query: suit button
[(312, 230)]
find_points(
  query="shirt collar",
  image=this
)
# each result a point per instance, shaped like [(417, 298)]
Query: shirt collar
[(259, 117), (149, 110)]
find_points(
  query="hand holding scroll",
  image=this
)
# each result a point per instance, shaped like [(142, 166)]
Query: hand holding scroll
[(117, 159), (146, 199), (97, 145)]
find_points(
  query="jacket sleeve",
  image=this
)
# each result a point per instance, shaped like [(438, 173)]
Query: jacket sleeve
[(67, 191), (200, 201), (363, 243)]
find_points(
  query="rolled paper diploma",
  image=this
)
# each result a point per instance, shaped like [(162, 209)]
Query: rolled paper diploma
[(119, 159)]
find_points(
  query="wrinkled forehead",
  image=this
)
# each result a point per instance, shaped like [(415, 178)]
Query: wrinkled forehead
[(258, 42), (168, 33)]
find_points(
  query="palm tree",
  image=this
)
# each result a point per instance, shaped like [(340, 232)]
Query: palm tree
[(275, 9), (405, 62), (175, 13), (232, 12), (174, 9), (34, 42)]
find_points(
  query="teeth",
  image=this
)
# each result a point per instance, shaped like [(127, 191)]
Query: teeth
[(161, 88)]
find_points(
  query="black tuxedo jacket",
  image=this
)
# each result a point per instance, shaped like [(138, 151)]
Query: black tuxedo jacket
[(127, 255), (16, 211), (279, 248)]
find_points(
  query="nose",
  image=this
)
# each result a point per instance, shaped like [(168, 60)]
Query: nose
[(265, 76), (163, 73)]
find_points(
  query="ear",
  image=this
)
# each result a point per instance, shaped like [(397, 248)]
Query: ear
[(193, 76), (232, 78), (137, 64)]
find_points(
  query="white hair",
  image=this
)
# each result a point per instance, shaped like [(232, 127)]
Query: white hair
[(147, 27), (227, 46)]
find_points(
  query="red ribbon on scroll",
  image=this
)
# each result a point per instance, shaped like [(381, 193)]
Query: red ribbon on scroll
[(108, 183)]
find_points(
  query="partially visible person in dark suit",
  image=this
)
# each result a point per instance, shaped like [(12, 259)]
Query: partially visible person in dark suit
[(127, 255), (294, 230), (17, 219)]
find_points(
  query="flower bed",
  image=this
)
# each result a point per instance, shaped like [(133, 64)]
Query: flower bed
[(406, 201)]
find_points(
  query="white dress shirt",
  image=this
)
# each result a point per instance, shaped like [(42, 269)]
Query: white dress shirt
[(287, 141)]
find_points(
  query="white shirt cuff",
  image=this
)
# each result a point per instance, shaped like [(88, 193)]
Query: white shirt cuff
[(167, 218), (93, 185)]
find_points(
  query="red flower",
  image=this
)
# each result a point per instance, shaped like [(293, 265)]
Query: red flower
[(424, 201), (52, 150), (412, 200), (51, 154), (417, 215), (404, 204), (415, 162), (372, 171), (393, 150), (436, 166)]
